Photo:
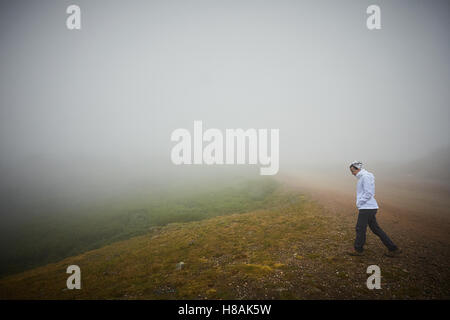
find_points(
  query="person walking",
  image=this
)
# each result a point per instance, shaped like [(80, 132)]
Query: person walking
[(368, 207)]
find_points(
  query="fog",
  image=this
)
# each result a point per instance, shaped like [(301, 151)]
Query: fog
[(88, 114)]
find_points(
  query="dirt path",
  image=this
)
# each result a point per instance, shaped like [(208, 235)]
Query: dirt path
[(422, 232), (403, 212)]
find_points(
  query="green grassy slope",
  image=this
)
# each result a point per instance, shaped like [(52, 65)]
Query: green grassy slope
[(293, 250), (51, 237)]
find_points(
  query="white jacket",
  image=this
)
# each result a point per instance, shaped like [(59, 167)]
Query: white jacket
[(365, 190)]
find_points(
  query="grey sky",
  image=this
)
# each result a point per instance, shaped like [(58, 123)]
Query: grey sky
[(97, 106)]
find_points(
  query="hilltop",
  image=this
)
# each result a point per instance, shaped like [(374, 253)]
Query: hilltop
[(293, 250)]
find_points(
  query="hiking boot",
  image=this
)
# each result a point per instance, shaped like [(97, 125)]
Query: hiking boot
[(393, 253), (353, 252)]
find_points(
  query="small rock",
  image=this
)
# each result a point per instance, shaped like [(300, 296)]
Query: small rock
[(179, 265)]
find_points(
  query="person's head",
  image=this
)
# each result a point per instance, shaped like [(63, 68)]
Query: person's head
[(355, 167)]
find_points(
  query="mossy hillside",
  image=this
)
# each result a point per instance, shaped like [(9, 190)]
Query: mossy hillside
[(52, 236), (293, 250), (219, 253)]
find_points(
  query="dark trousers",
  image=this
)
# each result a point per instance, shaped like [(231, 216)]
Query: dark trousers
[(367, 217)]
